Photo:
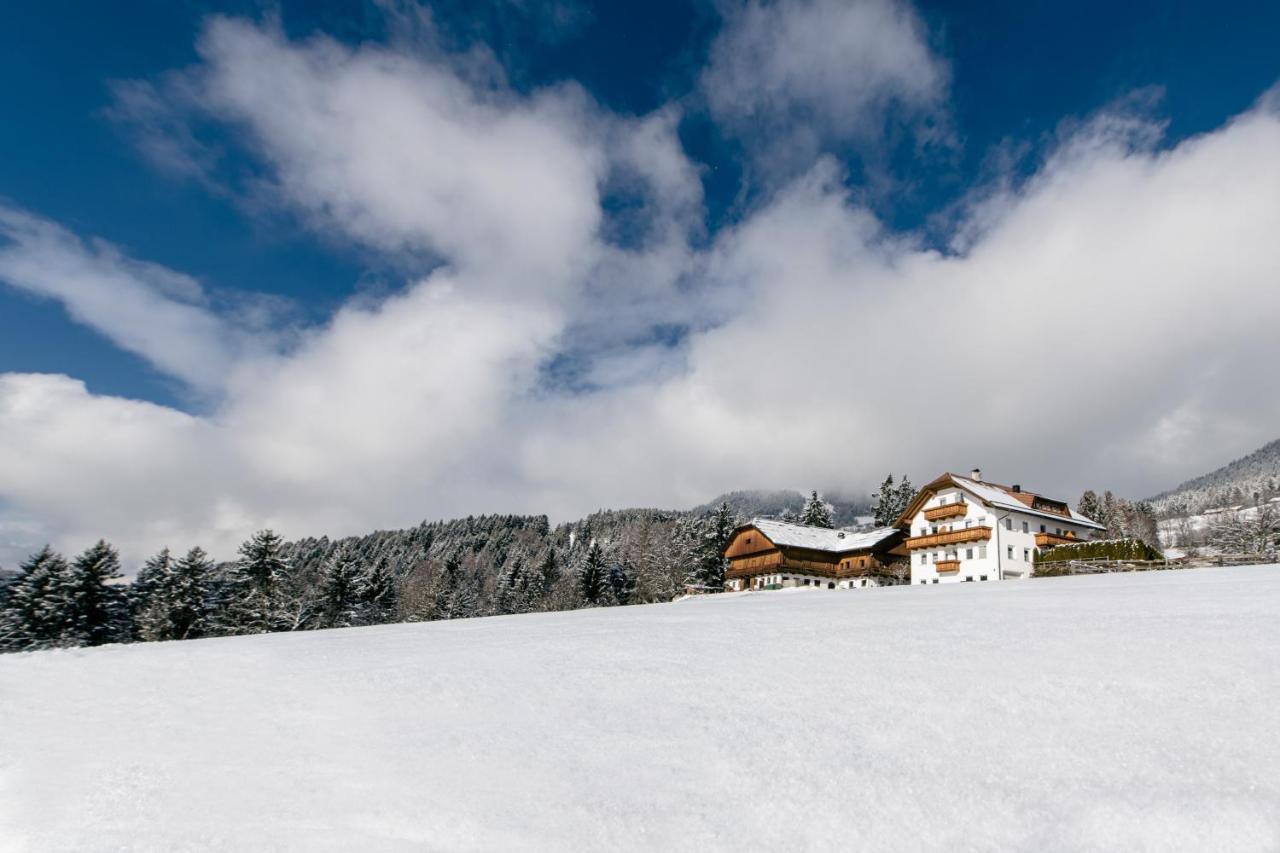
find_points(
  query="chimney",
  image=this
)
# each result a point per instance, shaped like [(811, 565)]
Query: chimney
[(1017, 488), (976, 475)]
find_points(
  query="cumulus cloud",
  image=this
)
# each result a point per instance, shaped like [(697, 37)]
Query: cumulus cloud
[(1101, 324)]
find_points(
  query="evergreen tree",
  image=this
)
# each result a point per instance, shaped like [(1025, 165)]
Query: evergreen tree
[(339, 600), (35, 609), (707, 538), (376, 591), (512, 592), (891, 501), (591, 575), (188, 596), (146, 584), (815, 513), (455, 593), (97, 610), (906, 493), (621, 583), (255, 585), (1089, 506)]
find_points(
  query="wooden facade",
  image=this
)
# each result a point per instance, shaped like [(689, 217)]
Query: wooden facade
[(751, 553)]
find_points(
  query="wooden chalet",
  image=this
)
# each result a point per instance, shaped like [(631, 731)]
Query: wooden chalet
[(769, 554)]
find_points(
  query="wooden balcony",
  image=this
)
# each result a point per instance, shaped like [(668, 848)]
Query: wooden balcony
[(953, 537), (946, 566), (938, 513), (1048, 540)]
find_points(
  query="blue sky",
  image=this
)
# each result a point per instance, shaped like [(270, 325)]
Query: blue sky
[(1019, 69), (760, 118)]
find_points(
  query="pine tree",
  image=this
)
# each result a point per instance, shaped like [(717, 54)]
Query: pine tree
[(188, 596), (35, 611), (906, 493), (891, 501), (882, 501), (815, 513), (1089, 506), (339, 597), (621, 583), (455, 596), (97, 610), (255, 585), (591, 575), (511, 595), (376, 592), (707, 538)]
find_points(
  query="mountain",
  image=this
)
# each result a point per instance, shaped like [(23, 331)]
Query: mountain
[(765, 503), (1247, 480)]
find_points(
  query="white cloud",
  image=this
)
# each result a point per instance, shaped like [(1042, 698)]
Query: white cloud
[(794, 77), (147, 309), (1107, 324)]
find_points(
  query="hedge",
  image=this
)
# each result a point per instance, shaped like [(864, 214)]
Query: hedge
[(1101, 549)]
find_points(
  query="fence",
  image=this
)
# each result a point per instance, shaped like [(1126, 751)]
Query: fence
[(1094, 567)]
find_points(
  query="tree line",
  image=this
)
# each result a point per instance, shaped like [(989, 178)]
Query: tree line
[(479, 566)]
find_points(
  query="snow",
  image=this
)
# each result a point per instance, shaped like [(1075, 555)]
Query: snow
[(1124, 711), (819, 538)]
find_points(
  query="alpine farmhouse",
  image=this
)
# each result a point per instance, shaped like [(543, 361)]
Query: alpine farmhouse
[(775, 554), (964, 529), (956, 529)]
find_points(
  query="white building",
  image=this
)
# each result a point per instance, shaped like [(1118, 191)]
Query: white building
[(965, 529)]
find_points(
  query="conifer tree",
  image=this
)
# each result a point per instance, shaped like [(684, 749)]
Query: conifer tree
[(255, 583), (188, 596), (376, 591), (145, 591), (621, 582), (707, 538), (35, 610), (339, 593), (905, 494), (1089, 506), (884, 501), (815, 512), (97, 610), (591, 575)]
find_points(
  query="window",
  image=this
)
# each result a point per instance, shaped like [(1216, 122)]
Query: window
[(968, 523), (1042, 530), (1026, 528), (935, 580), (982, 552), (1008, 524), (1057, 531), (968, 580), (1010, 552), (1026, 555), (984, 577), (968, 555), (923, 581)]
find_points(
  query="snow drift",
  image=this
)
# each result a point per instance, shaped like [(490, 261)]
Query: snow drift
[(1121, 712)]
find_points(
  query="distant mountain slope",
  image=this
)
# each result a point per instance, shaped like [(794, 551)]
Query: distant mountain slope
[(1245, 481), (774, 503)]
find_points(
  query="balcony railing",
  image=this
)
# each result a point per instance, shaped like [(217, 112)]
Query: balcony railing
[(947, 566), (938, 513), (952, 537), (1048, 540)]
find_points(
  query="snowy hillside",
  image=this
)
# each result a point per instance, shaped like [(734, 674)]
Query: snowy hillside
[(1113, 712), (1245, 481), (767, 503)]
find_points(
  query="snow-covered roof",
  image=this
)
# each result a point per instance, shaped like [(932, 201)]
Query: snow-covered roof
[(998, 496), (789, 535)]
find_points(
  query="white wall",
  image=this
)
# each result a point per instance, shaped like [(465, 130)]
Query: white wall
[(1007, 533)]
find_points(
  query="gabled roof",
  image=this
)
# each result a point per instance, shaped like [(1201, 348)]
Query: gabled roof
[(997, 496), (787, 535)]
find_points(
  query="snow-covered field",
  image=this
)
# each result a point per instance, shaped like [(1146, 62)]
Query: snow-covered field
[(1122, 712)]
